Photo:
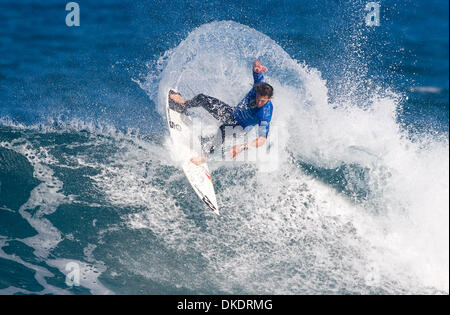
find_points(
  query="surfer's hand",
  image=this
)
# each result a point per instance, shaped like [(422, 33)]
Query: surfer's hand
[(258, 67), (235, 151)]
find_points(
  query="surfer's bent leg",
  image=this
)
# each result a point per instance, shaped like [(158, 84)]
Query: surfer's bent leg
[(219, 139), (218, 109)]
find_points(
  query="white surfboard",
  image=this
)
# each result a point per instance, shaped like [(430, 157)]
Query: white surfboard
[(186, 147)]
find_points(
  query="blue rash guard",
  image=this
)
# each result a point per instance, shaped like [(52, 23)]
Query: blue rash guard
[(247, 113)]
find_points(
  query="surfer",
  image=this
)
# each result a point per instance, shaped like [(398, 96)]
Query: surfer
[(255, 109)]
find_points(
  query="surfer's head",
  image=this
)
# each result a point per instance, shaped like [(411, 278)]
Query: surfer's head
[(264, 93)]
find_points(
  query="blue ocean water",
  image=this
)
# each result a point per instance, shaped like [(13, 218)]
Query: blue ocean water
[(358, 204)]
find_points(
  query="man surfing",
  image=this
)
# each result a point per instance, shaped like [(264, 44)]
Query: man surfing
[(255, 109)]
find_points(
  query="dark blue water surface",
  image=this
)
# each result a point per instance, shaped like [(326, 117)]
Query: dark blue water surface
[(109, 200), (49, 69)]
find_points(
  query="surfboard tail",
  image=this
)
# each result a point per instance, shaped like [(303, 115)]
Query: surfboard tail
[(211, 205)]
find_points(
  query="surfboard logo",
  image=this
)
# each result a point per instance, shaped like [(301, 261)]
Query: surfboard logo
[(209, 177), (174, 125)]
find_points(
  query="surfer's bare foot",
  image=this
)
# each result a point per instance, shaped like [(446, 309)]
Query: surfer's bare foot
[(177, 98), (198, 160)]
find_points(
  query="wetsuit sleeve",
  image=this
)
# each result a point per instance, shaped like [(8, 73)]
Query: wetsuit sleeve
[(258, 78), (265, 116)]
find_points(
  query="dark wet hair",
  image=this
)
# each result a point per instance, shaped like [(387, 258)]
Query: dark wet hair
[(264, 89)]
